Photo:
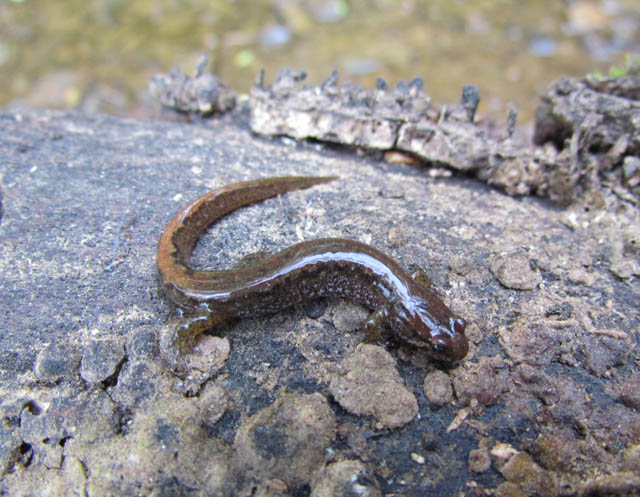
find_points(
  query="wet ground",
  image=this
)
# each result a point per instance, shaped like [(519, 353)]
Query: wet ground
[(99, 55)]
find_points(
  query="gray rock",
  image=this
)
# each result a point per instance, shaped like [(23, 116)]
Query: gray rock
[(85, 200), (57, 361), (10, 444), (137, 382), (101, 359), (143, 343), (47, 424), (286, 440)]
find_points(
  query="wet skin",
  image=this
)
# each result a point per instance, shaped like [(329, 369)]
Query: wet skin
[(402, 305)]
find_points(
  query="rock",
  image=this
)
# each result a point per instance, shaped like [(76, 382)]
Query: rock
[(275, 35), (522, 471), (47, 424), (623, 483), (203, 363), (536, 344), (101, 360), (624, 268), (630, 393), (56, 362), (167, 447), (315, 308), (213, 403), (438, 388), (581, 277), (286, 440), (78, 244), (508, 489), (349, 477), (369, 384), (485, 382), (631, 170), (515, 271), (137, 382), (348, 317), (10, 443), (479, 460), (143, 343), (631, 459), (605, 354)]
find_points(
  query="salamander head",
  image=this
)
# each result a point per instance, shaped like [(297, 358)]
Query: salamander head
[(429, 324)]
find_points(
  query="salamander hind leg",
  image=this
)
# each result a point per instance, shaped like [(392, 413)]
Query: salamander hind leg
[(186, 334)]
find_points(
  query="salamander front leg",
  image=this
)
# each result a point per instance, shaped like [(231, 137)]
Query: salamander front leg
[(419, 275), (375, 327)]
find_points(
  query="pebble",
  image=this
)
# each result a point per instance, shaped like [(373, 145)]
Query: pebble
[(101, 359), (348, 477), (631, 167), (328, 10), (348, 316), (630, 393), (57, 361), (581, 277), (624, 268), (362, 67), (136, 383), (417, 458), (438, 388), (631, 459), (143, 343), (514, 271), (479, 460), (315, 308), (542, 46), (369, 384)]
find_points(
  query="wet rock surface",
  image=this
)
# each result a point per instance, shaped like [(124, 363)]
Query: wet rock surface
[(545, 403)]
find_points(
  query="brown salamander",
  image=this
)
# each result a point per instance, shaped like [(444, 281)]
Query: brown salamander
[(329, 267)]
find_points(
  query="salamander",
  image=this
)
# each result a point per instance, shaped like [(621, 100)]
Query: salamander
[(402, 305)]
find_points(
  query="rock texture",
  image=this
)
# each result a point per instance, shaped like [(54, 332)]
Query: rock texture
[(584, 130), (203, 94), (544, 404), (595, 125)]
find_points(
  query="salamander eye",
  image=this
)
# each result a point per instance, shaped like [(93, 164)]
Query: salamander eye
[(439, 345)]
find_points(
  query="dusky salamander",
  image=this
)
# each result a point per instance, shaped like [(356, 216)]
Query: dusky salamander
[(329, 267)]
